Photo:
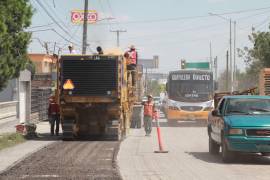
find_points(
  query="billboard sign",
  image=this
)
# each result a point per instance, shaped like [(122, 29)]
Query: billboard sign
[(77, 16)]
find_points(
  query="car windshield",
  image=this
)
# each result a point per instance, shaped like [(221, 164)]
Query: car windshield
[(144, 99), (156, 99), (248, 106), (191, 91)]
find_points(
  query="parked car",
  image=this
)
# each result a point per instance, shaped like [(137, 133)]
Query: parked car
[(240, 124)]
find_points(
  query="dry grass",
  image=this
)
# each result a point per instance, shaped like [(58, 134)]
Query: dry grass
[(11, 139)]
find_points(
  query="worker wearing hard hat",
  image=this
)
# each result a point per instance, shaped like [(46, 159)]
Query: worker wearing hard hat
[(54, 115), (71, 49), (149, 113), (131, 55)]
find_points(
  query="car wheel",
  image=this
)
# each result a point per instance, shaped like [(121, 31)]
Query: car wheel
[(227, 155), (213, 146)]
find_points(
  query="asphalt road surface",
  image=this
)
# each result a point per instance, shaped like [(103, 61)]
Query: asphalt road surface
[(69, 160), (188, 157)]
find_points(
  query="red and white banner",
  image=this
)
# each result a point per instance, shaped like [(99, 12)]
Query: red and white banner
[(77, 16)]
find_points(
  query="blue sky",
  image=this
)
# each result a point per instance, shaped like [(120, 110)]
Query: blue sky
[(155, 27)]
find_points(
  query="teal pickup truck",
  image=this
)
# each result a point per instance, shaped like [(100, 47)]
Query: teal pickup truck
[(240, 124)]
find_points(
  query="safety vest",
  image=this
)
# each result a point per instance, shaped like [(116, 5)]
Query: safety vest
[(148, 108), (133, 56)]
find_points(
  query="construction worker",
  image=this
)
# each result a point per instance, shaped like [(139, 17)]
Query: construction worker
[(149, 112), (99, 50), (132, 64), (54, 116), (71, 49)]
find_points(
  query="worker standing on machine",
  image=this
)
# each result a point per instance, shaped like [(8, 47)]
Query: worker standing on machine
[(131, 54)]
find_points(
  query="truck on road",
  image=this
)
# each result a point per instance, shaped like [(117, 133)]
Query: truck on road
[(95, 95)]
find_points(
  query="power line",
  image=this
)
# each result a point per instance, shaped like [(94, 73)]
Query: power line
[(168, 33), (103, 9), (181, 30), (75, 32), (54, 20), (186, 17), (118, 34), (262, 23), (112, 12), (65, 24), (245, 11), (253, 15), (40, 26), (59, 34)]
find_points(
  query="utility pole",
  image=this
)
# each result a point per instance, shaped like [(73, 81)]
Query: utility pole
[(227, 71), (215, 78), (216, 66), (85, 27), (211, 60), (146, 81), (118, 34), (234, 58), (54, 47), (46, 47)]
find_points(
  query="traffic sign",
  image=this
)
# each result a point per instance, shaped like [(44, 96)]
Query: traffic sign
[(77, 16), (197, 65)]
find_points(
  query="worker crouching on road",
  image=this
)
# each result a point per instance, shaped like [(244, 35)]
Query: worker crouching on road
[(54, 116), (149, 113)]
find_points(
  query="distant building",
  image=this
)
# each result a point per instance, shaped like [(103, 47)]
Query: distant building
[(157, 76), (44, 63), (160, 77)]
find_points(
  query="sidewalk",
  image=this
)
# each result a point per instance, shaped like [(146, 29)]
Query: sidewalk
[(8, 126), (12, 155), (136, 158)]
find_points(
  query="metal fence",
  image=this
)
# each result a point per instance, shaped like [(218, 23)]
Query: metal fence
[(40, 93)]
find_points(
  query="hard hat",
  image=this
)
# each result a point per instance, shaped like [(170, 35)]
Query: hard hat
[(150, 96), (132, 47), (70, 45)]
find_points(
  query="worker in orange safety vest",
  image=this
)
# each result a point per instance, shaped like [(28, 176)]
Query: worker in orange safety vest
[(149, 113), (132, 63)]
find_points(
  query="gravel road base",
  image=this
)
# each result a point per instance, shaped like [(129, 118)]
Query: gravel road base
[(69, 160)]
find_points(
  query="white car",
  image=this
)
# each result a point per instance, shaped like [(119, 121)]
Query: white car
[(157, 101)]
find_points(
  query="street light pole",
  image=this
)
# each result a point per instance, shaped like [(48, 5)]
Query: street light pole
[(234, 58), (227, 71), (232, 65)]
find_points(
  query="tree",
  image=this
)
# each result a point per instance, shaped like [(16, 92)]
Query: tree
[(15, 17), (256, 58), (154, 88), (245, 80)]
